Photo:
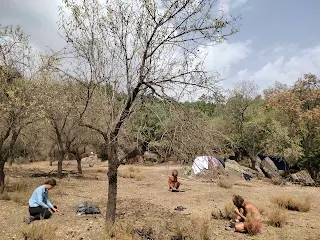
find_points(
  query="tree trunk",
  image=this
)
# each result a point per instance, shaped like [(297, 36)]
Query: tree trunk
[(2, 186), (78, 157), (60, 160), (112, 177), (253, 162)]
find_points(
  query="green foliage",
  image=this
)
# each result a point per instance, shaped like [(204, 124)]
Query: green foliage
[(150, 124), (209, 109)]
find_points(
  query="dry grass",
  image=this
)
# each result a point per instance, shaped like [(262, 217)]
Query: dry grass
[(132, 172), (18, 189), (225, 183), (196, 229), (226, 213), (16, 185), (243, 183), (5, 196), (277, 217), (261, 208), (179, 227), (148, 164), (58, 192), (120, 230), (41, 231), (20, 198), (277, 181), (301, 204)]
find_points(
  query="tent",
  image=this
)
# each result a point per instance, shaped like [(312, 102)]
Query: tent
[(202, 163), (280, 162)]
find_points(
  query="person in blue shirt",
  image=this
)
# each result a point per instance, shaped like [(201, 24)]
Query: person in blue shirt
[(40, 206)]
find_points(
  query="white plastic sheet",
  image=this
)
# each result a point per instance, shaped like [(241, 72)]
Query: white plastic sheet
[(200, 163)]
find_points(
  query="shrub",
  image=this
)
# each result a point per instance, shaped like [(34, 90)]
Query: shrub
[(225, 183), (301, 204), (196, 229), (41, 231), (120, 230), (243, 183), (217, 214), (132, 172), (277, 217), (226, 213)]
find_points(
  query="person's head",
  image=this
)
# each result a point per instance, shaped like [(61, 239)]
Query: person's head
[(50, 183), (238, 201), (175, 173)]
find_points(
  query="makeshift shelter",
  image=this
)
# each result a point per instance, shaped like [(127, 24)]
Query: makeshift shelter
[(203, 163), (280, 162)]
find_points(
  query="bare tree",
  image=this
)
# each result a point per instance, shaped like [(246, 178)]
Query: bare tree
[(60, 101), (135, 48), (18, 106)]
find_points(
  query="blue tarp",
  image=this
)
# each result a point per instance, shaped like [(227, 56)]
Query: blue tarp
[(280, 162), (221, 160)]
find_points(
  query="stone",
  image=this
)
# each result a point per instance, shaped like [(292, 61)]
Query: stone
[(150, 156), (269, 168), (234, 165), (302, 177)]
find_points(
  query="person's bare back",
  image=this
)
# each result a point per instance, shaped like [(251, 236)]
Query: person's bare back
[(247, 216), (252, 212), (173, 181)]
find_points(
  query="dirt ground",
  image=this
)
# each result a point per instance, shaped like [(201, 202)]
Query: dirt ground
[(149, 203)]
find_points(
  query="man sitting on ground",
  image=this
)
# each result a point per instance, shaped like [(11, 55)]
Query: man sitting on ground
[(248, 216), (173, 181)]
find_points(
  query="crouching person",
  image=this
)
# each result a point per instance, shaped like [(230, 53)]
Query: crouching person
[(173, 182), (248, 217), (40, 206)]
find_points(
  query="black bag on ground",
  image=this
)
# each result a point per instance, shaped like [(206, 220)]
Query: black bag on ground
[(247, 177), (87, 208)]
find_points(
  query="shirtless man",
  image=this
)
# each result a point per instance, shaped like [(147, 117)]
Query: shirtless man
[(173, 181), (246, 213)]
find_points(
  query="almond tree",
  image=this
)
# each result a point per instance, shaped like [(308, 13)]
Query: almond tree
[(60, 102), (18, 105), (135, 48)]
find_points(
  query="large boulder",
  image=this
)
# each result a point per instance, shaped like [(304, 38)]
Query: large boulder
[(235, 166), (151, 157), (302, 177), (269, 168)]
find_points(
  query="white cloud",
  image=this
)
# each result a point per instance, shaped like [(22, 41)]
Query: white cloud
[(221, 57), (238, 3), (285, 68), (228, 5)]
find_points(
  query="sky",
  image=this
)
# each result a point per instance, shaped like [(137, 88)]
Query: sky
[(279, 40)]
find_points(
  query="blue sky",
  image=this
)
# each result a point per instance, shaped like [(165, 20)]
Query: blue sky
[(279, 40)]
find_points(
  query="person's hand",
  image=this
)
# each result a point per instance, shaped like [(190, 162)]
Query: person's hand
[(50, 210), (55, 210)]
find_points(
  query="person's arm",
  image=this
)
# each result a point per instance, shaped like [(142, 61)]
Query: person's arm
[(240, 214), (50, 204), (171, 184)]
